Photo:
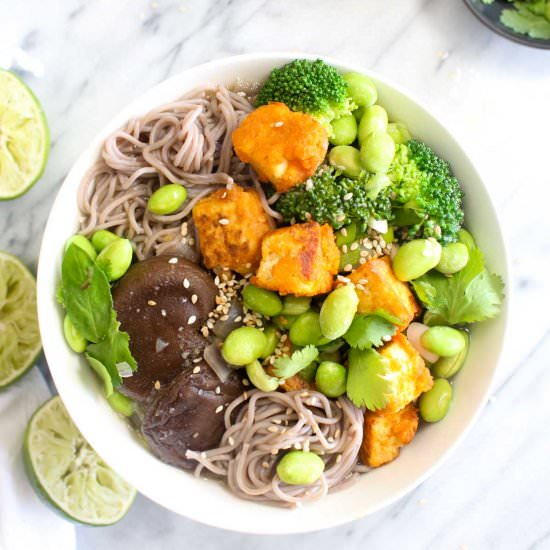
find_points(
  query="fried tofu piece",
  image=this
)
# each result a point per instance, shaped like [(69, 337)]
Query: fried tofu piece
[(284, 147), (385, 433), (301, 259), (382, 290), (409, 377), (231, 224)]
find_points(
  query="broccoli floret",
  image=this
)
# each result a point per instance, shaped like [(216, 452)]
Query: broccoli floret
[(329, 197), (426, 197), (311, 87)]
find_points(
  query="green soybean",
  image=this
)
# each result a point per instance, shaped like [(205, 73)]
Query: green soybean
[(167, 199), (115, 259), (330, 379), (76, 341), (344, 130), (243, 346), (415, 258), (284, 321), (446, 367), (337, 312), (435, 403), (82, 242), (272, 339), (443, 341), (121, 404), (103, 238), (375, 184), (259, 378), (361, 89), (101, 370), (308, 374), (454, 257), (295, 305), (374, 119), (377, 152), (300, 468), (347, 159), (347, 234), (399, 132), (262, 301), (306, 329)]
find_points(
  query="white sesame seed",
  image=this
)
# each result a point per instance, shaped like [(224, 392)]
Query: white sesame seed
[(191, 319), (196, 370), (183, 229), (157, 385), (173, 261), (195, 435), (344, 232), (151, 303), (348, 196), (224, 221), (231, 441), (354, 246), (163, 312), (204, 331), (186, 283), (344, 248), (348, 267), (194, 298), (219, 409), (218, 390), (278, 124)]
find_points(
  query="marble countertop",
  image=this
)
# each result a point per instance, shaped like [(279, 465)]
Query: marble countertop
[(87, 59)]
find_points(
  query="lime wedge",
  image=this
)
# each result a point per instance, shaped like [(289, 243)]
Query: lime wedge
[(24, 137), (68, 472), (19, 336)]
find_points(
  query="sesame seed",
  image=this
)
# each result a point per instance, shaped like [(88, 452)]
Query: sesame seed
[(197, 360), (194, 298), (348, 267), (273, 429), (348, 196), (191, 242), (195, 435), (224, 221), (266, 464), (245, 395), (204, 331), (354, 246), (173, 261), (231, 441), (278, 124), (344, 248), (218, 390), (151, 303), (344, 232), (163, 312), (183, 229), (157, 385), (196, 370), (191, 319), (224, 194), (363, 261), (186, 283), (219, 409), (238, 319)]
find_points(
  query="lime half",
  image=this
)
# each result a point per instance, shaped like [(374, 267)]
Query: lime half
[(19, 336), (24, 137), (69, 473)]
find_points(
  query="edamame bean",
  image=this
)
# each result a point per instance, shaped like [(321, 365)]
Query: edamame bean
[(377, 152), (435, 403), (300, 468), (116, 258), (306, 329), (361, 89), (101, 370), (375, 184), (295, 305), (415, 258), (347, 159), (337, 311), (272, 339), (344, 130), (243, 346), (308, 374), (347, 234), (331, 379), (446, 367), (121, 404), (443, 341), (465, 237), (76, 341), (454, 257), (262, 301), (167, 199), (284, 321), (83, 243), (399, 132), (259, 378), (103, 238), (374, 119)]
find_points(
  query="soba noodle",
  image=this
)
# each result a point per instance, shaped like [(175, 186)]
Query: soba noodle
[(259, 425)]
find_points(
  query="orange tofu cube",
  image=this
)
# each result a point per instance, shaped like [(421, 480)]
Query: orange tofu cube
[(231, 224), (382, 290), (301, 259), (284, 147), (408, 375), (385, 433)]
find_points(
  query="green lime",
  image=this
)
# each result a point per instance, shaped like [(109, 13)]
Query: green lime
[(24, 137), (67, 471), (19, 336)]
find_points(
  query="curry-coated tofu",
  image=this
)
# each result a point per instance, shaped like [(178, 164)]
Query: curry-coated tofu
[(409, 377), (385, 433), (284, 147), (231, 224), (379, 288), (301, 259)]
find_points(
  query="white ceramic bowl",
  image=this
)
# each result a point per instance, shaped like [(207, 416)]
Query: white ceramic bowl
[(207, 501)]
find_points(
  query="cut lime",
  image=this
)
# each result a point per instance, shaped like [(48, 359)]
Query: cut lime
[(69, 473), (19, 336), (24, 137)]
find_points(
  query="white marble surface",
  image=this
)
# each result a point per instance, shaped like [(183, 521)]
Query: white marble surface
[(87, 59)]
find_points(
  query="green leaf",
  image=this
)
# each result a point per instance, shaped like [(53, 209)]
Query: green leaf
[(387, 316), (101, 370), (367, 331), (113, 351), (285, 367), (86, 294), (367, 384)]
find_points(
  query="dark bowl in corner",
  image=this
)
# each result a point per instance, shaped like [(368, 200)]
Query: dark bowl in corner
[(489, 15)]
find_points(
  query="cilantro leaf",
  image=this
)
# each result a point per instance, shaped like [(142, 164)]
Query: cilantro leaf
[(367, 385), (367, 331), (471, 295), (113, 351), (285, 367)]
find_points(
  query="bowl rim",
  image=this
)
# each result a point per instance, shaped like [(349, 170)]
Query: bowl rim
[(43, 292)]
